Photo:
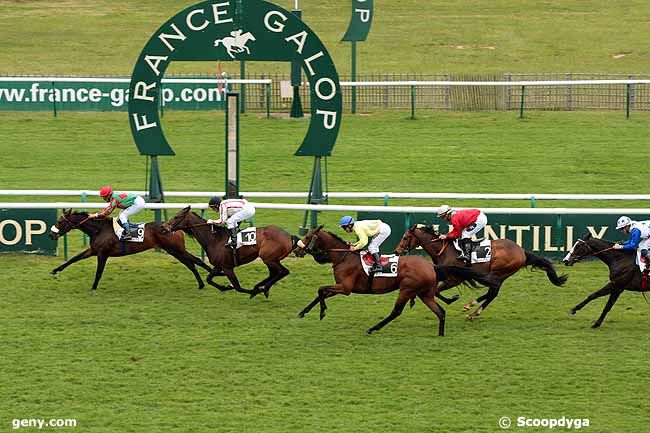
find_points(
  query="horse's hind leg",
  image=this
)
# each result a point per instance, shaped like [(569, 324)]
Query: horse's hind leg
[(489, 297), (613, 297), (277, 272), (101, 264), (430, 301), (606, 290), (82, 255), (400, 303)]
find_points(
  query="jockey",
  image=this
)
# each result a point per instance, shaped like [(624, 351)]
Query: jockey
[(231, 212), (639, 232), (129, 203), (467, 223), (376, 229)]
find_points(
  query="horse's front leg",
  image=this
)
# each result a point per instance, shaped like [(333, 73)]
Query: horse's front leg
[(230, 273), (489, 297), (82, 255), (101, 264), (317, 299), (400, 303), (613, 297), (606, 290)]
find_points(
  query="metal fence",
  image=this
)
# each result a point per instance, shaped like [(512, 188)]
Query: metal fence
[(470, 98)]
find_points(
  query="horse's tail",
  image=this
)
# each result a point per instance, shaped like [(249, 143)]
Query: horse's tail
[(466, 275), (541, 263)]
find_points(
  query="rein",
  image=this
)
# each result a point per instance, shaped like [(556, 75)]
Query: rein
[(74, 226), (591, 253)]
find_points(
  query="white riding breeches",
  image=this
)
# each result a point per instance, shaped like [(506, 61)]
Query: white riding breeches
[(375, 243), (475, 227), (136, 207), (643, 245), (246, 212)]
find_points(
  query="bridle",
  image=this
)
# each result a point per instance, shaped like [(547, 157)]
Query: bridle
[(591, 251), (73, 225), (411, 232), (309, 248)]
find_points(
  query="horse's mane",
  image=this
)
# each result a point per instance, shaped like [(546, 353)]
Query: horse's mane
[(428, 228), (337, 237), (188, 230)]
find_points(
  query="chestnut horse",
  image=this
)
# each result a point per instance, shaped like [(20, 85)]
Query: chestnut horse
[(273, 245), (416, 276), (507, 259), (624, 273), (104, 243)]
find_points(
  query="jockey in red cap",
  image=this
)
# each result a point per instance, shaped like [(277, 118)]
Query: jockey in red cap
[(129, 203), (467, 223)]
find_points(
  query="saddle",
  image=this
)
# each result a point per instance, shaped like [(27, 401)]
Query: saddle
[(480, 252), (135, 231)]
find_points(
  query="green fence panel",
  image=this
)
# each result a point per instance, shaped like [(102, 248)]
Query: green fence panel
[(26, 230), (547, 235)]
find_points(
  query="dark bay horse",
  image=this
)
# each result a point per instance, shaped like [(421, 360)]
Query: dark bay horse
[(624, 274), (416, 276), (273, 245), (104, 243), (507, 259)]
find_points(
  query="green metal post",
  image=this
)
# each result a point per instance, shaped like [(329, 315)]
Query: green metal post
[(268, 100), (532, 201), (65, 247), (628, 100), (296, 75), (353, 77), (84, 238), (385, 199), (242, 92), (315, 196), (155, 186), (232, 146), (521, 103), (53, 98), (412, 102)]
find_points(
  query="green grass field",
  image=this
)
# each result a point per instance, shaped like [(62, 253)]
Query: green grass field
[(467, 36), (149, 353)]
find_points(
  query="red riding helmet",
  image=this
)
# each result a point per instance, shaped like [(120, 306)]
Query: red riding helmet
[(105, 191)]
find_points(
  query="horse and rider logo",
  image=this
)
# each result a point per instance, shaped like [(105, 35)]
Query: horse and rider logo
[(237, 43)]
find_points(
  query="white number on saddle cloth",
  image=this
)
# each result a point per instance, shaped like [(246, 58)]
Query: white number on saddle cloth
[(136, 235), (247, 237), (481, 253), (389, 264)]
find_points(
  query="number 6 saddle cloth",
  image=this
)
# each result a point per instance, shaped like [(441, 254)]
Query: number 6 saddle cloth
[(389, 264), (246, 237)]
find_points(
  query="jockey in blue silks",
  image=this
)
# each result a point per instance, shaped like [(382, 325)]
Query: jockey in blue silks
[(639, 239)]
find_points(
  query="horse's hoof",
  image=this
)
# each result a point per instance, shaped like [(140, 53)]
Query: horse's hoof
[(301, 315), (454, 298), (595, 325), (322, 316), (571, 312), (369, 331), (266, 294), (53, 272), (470, 317), (253, 294), (466, 308)]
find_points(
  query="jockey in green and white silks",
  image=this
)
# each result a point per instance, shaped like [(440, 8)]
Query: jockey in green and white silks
[(129, 203), (639, 232)]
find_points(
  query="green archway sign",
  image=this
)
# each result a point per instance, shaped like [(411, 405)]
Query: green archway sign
[(250, 30)]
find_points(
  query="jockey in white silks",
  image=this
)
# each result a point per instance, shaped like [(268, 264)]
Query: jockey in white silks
[(231, 212), (639, 239)]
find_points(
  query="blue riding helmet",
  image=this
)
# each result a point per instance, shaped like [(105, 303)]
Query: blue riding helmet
[(346, 221)]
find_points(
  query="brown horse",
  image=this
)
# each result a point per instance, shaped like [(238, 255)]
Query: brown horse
[(273, 245), (104, 243), (507, 259), (416, 276)]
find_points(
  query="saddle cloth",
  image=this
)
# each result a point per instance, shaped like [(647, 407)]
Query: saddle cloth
[(246, 237), (137, 231), (481, 251), (389, 264)]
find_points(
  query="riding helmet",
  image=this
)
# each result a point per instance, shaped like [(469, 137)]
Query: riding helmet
[(346, 221), (105, 191), (214, 201), (443, 210), (622, 222)]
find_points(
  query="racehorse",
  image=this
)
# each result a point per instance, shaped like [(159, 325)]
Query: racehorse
[(273, 245), (416, 276), (507, 259), (624, 274), (104, 243)]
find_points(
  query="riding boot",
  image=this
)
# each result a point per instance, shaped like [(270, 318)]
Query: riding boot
[(126, 232), (233, 238), (466, 246), (376, 267)]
